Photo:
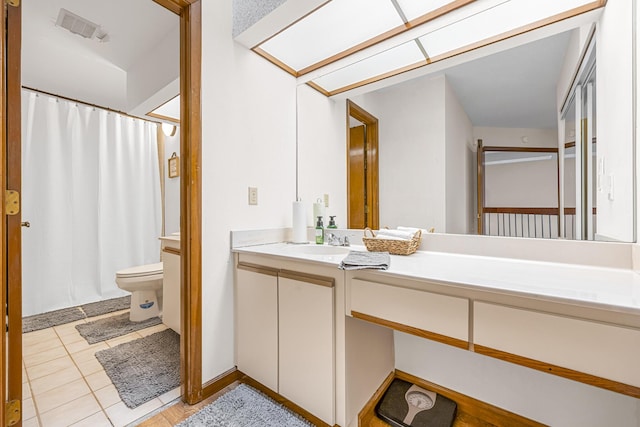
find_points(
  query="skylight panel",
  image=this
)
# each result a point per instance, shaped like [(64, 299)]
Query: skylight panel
[(494, 21), (413, 9), (375, 66), (334, 28)]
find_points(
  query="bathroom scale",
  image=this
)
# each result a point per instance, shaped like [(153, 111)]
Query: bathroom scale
[(407, 405)]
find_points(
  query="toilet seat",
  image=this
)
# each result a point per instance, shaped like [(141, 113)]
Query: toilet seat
[(140, 271)]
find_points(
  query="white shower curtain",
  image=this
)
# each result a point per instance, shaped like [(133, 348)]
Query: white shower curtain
[(91, 192)]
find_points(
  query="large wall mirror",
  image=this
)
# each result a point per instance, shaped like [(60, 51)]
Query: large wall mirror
[(531, 107)]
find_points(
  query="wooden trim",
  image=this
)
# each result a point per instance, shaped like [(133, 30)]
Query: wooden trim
[(276, 61), (491, 40), (570, 144), (582, 377), (523, 211), (221, 381), (190, 198), (572, 211), (14, 182), (175, 6), (585, 48), (170, 250), (368, 410), (284, 401), (307, 278), (480, 187), (318, 88), (522, 149), (491, 415), (412, 330), (255, 268), (4, 373)]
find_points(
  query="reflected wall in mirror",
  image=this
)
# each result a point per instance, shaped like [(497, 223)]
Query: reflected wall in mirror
[(429, 127)]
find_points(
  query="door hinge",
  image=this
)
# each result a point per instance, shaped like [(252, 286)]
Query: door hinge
[(14, 3), (11, 202), (12, 412)]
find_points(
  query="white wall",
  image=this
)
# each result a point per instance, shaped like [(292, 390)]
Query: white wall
[(248, 139), (523, 184), (459, 182), (614, 111), (512, 137), (411, 152)]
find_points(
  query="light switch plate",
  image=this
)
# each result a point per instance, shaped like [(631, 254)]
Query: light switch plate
[(253, 195)]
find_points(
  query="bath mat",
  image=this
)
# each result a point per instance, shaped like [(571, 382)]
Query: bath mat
[(72, 314), (143, 369), (51, 318), (112, 327), (244, 406), (107, 306)]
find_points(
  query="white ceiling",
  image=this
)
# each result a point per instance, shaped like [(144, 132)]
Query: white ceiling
[(140, 59)]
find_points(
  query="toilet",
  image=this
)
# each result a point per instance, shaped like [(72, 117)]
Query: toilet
[(145, 284)]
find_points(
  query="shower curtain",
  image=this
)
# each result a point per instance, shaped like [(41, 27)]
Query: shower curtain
[(91, 192)]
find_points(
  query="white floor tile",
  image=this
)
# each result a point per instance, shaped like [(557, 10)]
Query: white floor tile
[(72, 412), (49, 367), (60, 395), (120, 415), (96, 420), (98, 380), (51, 381)]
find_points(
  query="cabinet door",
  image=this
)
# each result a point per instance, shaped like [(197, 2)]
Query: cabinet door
[(307, 344), (171, 289), (257, 324)]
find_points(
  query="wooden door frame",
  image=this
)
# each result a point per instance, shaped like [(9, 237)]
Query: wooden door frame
[(3, 226), (190, 12), (371, 142)]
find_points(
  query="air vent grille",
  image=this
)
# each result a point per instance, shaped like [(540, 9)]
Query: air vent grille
[(76, 24)]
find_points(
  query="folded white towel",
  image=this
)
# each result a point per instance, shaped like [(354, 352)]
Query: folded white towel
[(395, 234)]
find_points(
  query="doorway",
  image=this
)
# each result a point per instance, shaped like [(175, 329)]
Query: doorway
[(362, 168), (190, 204)]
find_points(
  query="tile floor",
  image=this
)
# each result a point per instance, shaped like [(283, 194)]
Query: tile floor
[(65, 385)]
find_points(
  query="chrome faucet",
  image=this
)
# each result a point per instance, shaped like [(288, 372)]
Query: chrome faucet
[(334, 240)]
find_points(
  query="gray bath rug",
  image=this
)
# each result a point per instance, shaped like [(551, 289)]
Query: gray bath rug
[(72, 314), (51, 318), (244, 406), (145, 368), (107, 306), (111, 327)]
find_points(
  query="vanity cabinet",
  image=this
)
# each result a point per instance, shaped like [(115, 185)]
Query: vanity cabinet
[(171, 282), (285, 334), (439, 317), (306, 343), (595, 349), (257, 324)]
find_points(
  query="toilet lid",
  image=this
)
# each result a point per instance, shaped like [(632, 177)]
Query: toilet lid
[(141, 270)]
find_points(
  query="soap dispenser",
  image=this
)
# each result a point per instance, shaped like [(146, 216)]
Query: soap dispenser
[(319, 231), (332, 222)]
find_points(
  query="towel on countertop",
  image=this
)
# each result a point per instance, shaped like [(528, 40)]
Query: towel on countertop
[(357, 260)]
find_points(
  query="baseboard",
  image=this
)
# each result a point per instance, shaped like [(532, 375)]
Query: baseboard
[(221, 381), (471, 412)]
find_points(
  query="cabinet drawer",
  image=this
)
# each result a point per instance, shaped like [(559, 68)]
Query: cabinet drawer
[(433, 313), (596, 349)]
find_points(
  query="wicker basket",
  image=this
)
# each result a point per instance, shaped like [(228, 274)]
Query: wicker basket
[(395, 247)]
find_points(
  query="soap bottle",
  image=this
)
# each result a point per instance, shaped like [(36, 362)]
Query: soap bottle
[(319, 231), (332, 222)]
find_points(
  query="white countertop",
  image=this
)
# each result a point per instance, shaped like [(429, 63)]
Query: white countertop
[(614, 289)]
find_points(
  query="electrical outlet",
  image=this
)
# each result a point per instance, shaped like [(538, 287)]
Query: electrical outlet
[(326, 200), (253, 195)]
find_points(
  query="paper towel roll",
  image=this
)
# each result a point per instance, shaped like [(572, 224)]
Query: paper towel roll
[(318, 210), (299, 223)]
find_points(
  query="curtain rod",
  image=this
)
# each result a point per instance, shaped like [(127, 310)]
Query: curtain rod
[(88, 104)]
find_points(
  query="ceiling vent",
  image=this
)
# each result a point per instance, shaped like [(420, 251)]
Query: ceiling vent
[(77, 25)]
